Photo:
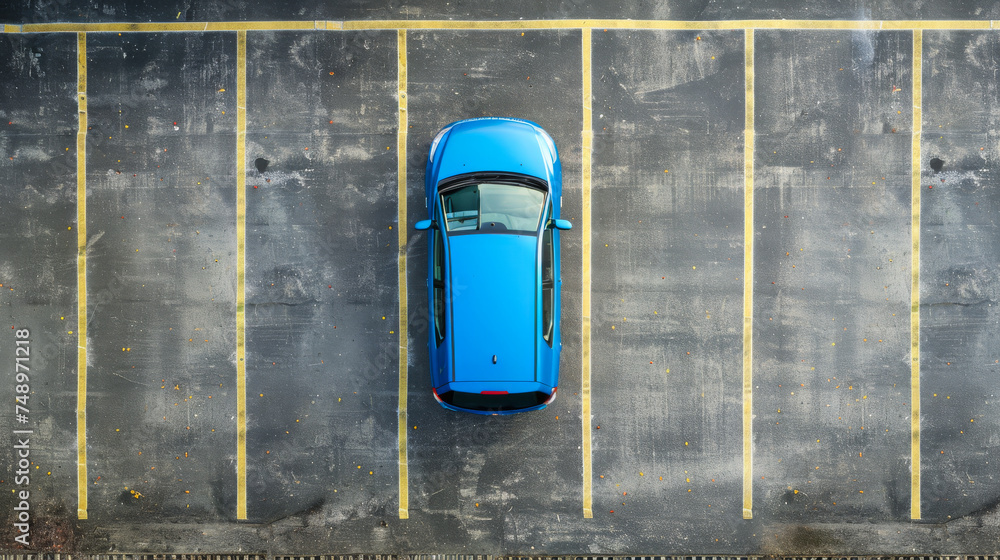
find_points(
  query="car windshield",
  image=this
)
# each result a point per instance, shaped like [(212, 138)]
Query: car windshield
[(492, 208)]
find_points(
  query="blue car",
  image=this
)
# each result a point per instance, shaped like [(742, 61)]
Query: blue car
[(494, 188)]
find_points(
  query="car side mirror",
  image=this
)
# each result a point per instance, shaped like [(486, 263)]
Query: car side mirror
[(423, 224), (562, 224)]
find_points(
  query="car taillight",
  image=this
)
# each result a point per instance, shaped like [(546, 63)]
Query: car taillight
[(436, 397), (552, 397), (493, 393)]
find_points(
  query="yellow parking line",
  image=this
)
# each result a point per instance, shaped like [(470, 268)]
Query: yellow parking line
[(8, 28), (506, 25), (915, 279), (81, 278), (241, 212), (404, 484), (748, 149), (667, 24), (540, 24), (588, 142), (178, 26)]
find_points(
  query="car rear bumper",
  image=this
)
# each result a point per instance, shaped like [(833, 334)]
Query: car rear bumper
[(493, 402)]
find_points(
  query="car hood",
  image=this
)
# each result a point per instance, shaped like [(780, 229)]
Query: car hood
[(493, 306), (494, 144)]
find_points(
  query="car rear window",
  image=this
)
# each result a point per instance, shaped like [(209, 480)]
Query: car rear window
[(494, 402)]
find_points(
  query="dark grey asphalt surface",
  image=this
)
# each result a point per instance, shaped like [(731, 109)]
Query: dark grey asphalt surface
[(38, 248), (321, 289), (959, 316), (832, 254), (668, 286), (161, 276), (832, 274)]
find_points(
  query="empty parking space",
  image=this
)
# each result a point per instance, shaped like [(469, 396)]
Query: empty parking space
[(667, 281), (161, 263), (321, 284), (958, 270), (256, 312), (832, 257), (38, 267)]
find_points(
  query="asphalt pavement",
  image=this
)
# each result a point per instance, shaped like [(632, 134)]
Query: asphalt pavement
[(778, 324)]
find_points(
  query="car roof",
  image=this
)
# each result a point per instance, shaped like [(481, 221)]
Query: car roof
[(493, 296)]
